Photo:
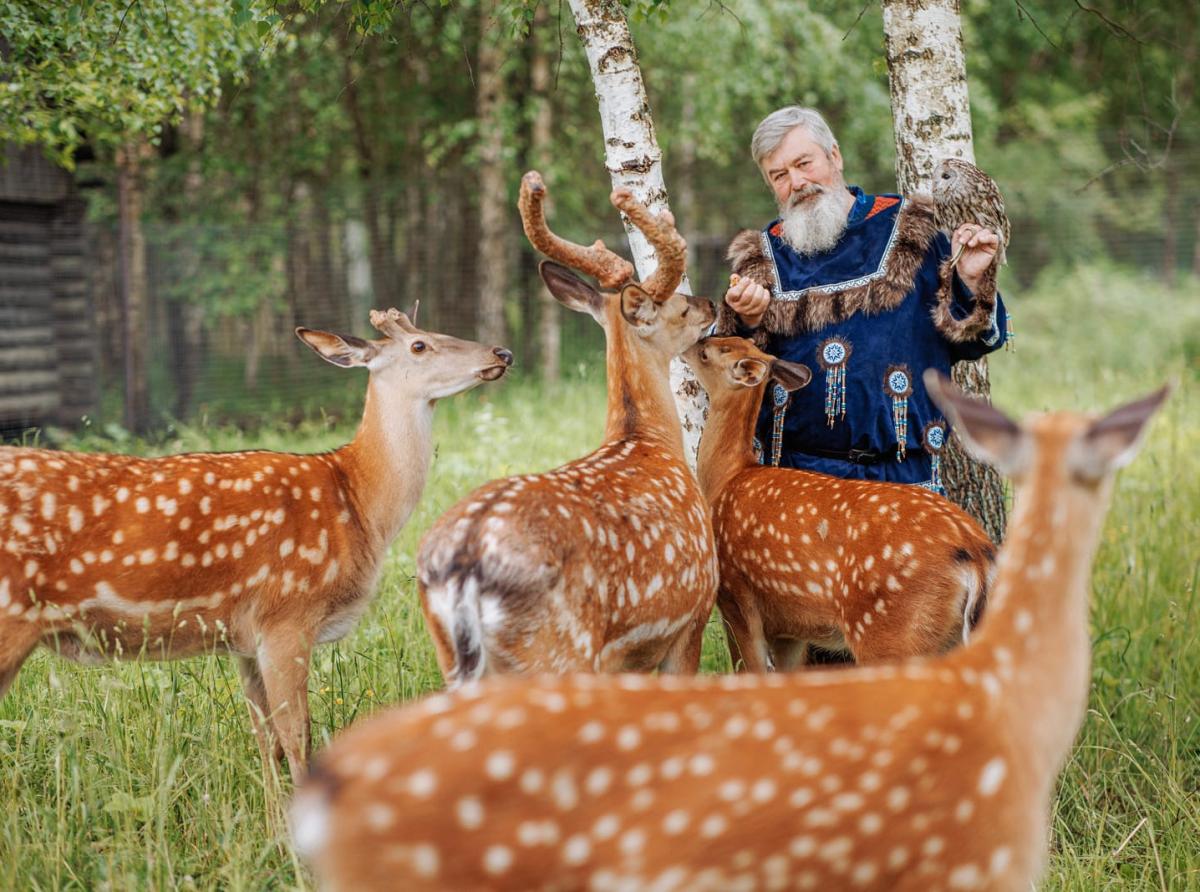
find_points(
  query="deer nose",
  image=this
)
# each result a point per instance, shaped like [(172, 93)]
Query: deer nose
[(505, 356)]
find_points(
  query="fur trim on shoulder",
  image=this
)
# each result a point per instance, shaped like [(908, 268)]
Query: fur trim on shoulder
[(914, 234), (961, 331), (746, 256)]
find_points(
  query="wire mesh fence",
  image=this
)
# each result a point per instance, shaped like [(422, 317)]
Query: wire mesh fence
[(222, 302)]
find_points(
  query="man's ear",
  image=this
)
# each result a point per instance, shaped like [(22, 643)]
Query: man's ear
[(637, 306), (791, 375), (571, 291), (986, 432), (749, 372), (1112, 442), (343, 350)]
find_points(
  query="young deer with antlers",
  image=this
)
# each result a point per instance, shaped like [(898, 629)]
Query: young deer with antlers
[(883, 570), (933, 774), (606, 563), (259, 554)]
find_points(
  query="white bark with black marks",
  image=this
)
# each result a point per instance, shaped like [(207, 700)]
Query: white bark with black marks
[(931, 115), (634, 161), (927, 76)]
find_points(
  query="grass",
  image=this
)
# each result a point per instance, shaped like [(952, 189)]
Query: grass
[(145, 776)]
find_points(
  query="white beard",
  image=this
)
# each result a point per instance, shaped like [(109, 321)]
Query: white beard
[(815, 225)]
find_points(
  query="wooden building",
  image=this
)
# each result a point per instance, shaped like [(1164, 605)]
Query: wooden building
[(47, 337)]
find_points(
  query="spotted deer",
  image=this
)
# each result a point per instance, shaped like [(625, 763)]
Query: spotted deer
[(606, 563), (936, 773), (259, 554), (882, 570)]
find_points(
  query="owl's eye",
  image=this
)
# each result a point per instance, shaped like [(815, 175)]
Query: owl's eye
[(945, 174), (417, 347)]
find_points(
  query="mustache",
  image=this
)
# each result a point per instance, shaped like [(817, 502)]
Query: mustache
[(804, 194)]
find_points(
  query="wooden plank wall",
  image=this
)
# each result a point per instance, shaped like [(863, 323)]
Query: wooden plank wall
[(47, 338), (29, 385), (75, 337)]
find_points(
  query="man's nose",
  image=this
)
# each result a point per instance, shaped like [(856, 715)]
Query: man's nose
[(798, 179)]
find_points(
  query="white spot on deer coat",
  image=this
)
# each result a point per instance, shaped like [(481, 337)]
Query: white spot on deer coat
[(992, 776), (470, 812), (500, 765)]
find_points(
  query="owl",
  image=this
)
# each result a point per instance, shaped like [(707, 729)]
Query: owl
[(962, 193)]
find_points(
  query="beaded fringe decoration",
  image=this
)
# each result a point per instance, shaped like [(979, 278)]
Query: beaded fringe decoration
[(780, 399), (1010, 333), (933, 438), (897, 383), (832, 356)]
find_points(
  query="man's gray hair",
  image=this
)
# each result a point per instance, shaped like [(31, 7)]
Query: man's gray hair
[(778, 124)]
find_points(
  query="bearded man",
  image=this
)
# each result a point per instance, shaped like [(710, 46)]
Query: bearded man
[(861, 289)]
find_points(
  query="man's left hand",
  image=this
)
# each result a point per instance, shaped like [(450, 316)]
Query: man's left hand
[(980, 253)]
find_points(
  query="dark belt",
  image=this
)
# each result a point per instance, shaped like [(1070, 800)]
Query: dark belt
[(853, 456)]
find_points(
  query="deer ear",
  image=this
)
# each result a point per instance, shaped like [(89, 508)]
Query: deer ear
[(638, 306), (571, 291), (343, 350), (1112, 442), (986, 432), (749, 372), (791, 375)]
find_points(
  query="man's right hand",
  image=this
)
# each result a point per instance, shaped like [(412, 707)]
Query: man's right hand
[(748, 299)]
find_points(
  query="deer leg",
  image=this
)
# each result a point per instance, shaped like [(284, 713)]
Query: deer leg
[(18, 638), (443, 646), (789, 653), (744, 632), (283, 666), (683, 656), (269, 745), (888, 641)]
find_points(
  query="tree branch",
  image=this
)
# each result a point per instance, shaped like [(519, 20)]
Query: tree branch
[(121, 25), (862, 12), (1021, 10), (1114, 27)]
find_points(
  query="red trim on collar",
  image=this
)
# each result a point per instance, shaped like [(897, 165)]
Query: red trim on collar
[(777, 230), (882, 203)]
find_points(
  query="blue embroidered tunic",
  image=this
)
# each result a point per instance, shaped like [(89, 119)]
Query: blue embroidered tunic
[(868, 317)]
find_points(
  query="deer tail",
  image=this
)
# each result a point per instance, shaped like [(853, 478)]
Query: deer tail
[(978, 573), (466, 633)]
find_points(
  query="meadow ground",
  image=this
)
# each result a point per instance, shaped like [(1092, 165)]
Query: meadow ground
[(145, 776)]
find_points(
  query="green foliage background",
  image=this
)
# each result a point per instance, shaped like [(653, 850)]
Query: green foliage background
[(145, 775)]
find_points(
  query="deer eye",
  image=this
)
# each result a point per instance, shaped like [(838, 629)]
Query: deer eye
[(418, 347)]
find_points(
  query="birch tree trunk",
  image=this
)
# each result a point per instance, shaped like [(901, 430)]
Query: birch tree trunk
[(931, 115), (634, 161)]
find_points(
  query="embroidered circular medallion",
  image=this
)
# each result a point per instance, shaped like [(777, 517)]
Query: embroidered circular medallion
[(934, 437), (897, 382), (834, 353), (779, 395)]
